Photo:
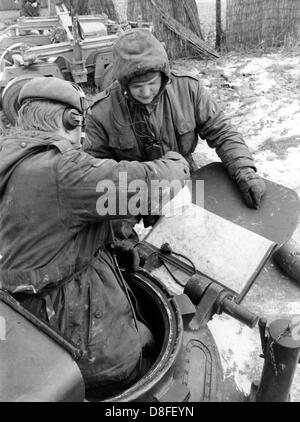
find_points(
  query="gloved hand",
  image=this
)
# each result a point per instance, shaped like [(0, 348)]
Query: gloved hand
[(150, 220), (251, 186), (175, 156), (127, 256), (124, 229)]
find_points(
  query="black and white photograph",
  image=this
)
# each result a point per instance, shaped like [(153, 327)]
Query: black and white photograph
[(149, 204)]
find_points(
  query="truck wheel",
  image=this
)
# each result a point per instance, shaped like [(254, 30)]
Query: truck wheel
[(10, 96)]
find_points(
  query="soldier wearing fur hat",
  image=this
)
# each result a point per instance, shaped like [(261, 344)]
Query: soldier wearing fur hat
[(150, 110), (53, 237)]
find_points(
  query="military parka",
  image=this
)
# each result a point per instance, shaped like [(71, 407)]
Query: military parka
[(51, 231), (181, 112)]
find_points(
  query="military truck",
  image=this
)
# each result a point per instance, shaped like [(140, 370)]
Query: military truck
[(75, 48)]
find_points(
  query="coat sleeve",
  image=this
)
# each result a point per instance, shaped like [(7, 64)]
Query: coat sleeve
[(96, 139), (90, 189), (220, 134)]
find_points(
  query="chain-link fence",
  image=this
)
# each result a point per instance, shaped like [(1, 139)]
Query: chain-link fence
[(256, 22)]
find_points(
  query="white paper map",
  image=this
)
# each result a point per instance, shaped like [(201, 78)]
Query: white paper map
[(219, 248)]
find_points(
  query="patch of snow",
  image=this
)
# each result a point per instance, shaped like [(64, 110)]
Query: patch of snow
[(261, 97), (257, 65), (236, 349), (285, 172)]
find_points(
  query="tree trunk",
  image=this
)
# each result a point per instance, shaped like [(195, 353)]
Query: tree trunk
[(79, 7), (218, 25), (184, 11), (103, 6)]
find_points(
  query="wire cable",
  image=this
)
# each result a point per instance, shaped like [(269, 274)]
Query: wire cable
[(166, 249)]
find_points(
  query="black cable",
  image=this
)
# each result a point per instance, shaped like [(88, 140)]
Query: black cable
[(133, 124), (126, 291), (119, 273), (166, 249), (171, 274), (188, 259)]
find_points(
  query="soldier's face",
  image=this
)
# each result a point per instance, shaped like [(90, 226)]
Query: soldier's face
[(145, 92)]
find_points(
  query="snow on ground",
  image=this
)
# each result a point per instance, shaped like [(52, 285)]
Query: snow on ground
[(235, 350), (261, 96)]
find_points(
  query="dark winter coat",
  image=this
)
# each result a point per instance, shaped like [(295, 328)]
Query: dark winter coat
[(50, 232), (182, 111)]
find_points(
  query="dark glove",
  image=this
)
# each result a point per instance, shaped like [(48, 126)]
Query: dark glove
[(251, 186), (150, 220), (124, 229), (175, 156), (127, 256)]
